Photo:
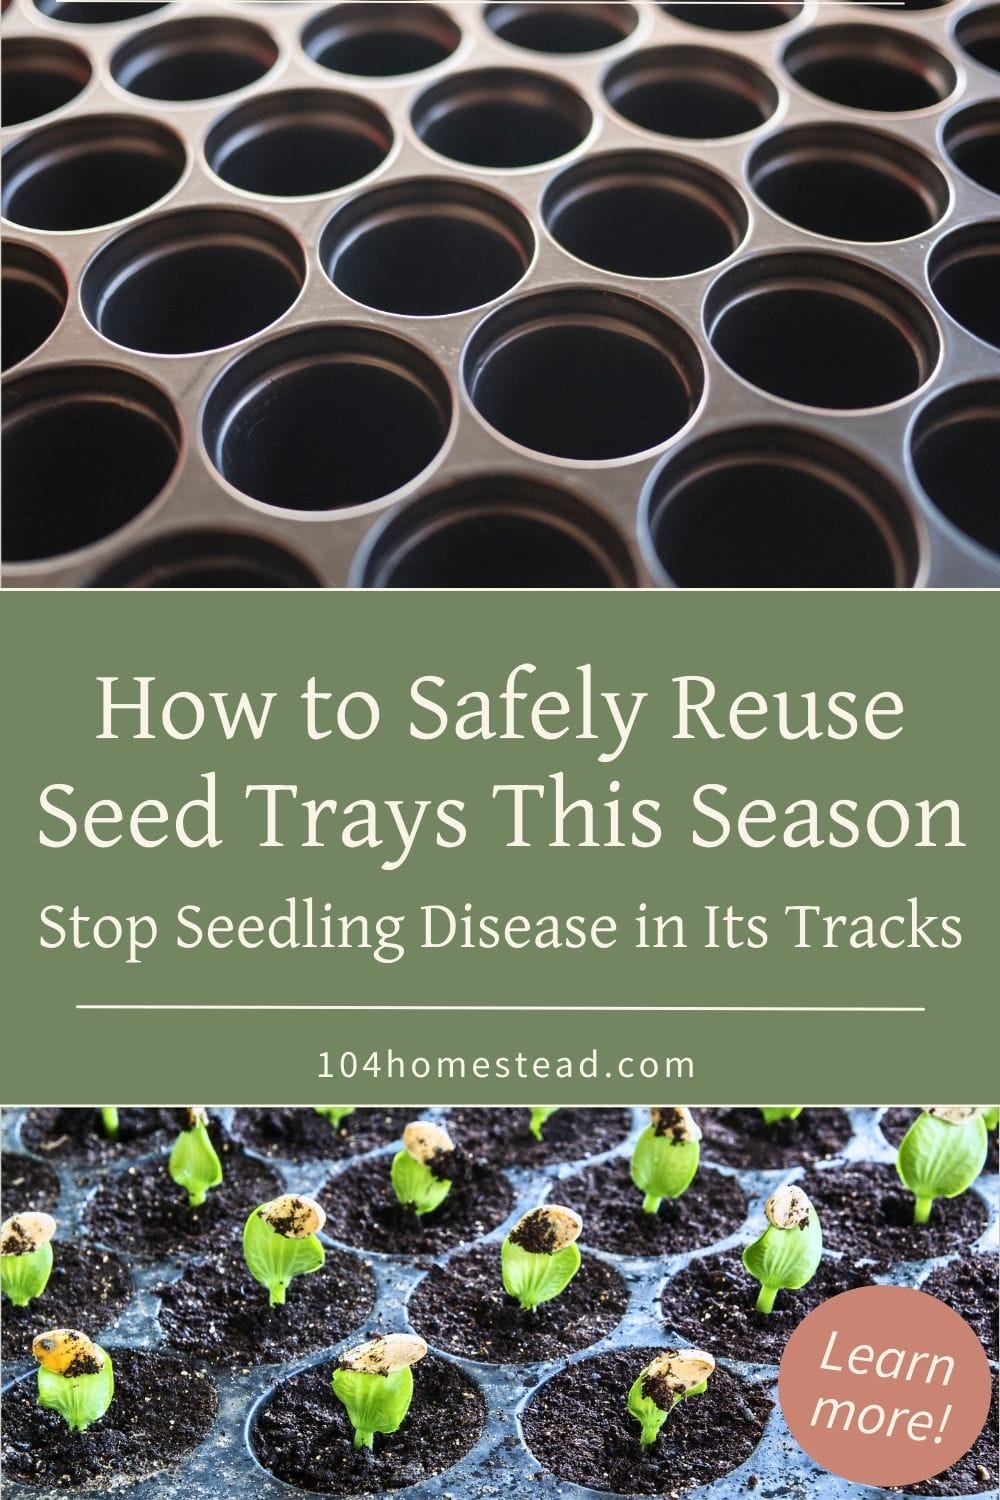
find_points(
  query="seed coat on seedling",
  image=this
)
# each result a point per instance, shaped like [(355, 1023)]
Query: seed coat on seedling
[(374, 1384), (788, 1253), (420, 1177), (666, 1155), (75, 1376), (669, 1378), (942, 1154), (26, 1256), (279, 1243), (540, 1256)]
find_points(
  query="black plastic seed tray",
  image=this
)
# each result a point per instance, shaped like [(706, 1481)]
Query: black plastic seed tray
[(551, 293), (500, 1462)]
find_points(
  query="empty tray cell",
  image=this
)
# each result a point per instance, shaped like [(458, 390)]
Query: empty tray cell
[(848, 183), (98, 12), (583, 374), (86, 448), (971, 138), (299, 143), (194, 280), (326, 417), (644, 213), (35, 292), (744, 15), (427, 246), (40, 74), (772, 507), (822, 331), (386, 39), (978, 35), (955, 450), (695, 93), (560, 27), (208, 560), (964, 273), (502, 118), (199, 58), (870, 67), (495, 531), (90, 171)]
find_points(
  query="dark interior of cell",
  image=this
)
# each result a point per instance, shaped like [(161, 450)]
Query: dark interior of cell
[(691, 95), (718, 16), (860, 68), (194, 60), (298, 152), (504, 123), (819, 347), (34, 297), (957, 460), (384, 40), (964, 272), (39, 77), (98, 12), (208, 560), (493, 548), (560, 27), (978, 34), (972, 140), (97, 179), (644, 227), (76, 467), (845, 196), (756, 522)]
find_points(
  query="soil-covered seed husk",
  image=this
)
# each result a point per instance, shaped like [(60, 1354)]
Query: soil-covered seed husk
[(142, 1212), (740, 1138), (302, 1134), (160, 1411), (579, 1427), (88, 1288), (362, 1209), (304, 1437), (614, 1219), (867, 1212), (462, 1307), (711, 1304), (25, 1185), (969, 1285), (897, 1120), (77, 1135), (216, 1311), (502, 1135), (976, 1471)]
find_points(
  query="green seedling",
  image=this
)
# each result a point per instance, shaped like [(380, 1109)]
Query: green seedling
[(665, 1158), (374, 1384), (193, 1163), (991, 1118), (540, 1257), (781, 1112), (537, 1122), (335, 1114), (75, 1376), (788, 1252), (26, 1256), (110, 1122), (669, 1379), (942, 1154), (420, 1171), (279, 1243)]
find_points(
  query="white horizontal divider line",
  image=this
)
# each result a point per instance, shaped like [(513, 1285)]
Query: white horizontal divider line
[(611, 1010)]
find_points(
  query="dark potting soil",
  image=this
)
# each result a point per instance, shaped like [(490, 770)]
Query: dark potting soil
[(362, 1209), (463, 1308), (502, 1135), (77, 1135), (897, 1120), (304, 1437), (143, 1212), (88, 1289), (161, 1410), (26, 1184), (969, 1285), (610, 1205), (579, 1427), (866, 1212), (711, 1302), (217, 1312), (975, 1471), (740, 1138), (303, 1134)]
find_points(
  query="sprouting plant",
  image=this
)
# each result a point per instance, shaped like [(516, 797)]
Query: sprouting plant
[(335, 1114), (788, 1252), (942, 1154), (26, 1256), (109, 1121), (781, 1112), (75, 1376), (665, 1158), (374, 1383), (420, 1171), (279, 1243), (991, 1118), (540, 1256), (668, 1379), (194, 1164), (538, 1118)]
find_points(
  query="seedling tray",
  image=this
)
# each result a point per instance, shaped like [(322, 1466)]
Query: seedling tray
[(500, 1464), (545, 388)]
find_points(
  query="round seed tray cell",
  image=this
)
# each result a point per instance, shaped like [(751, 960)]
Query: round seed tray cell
[(275, 1413), (188, 183)]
